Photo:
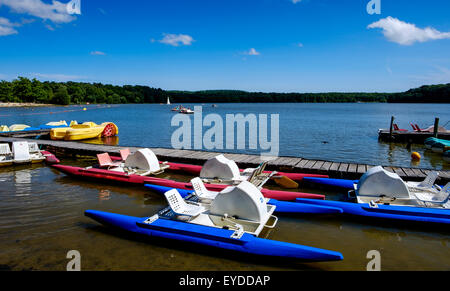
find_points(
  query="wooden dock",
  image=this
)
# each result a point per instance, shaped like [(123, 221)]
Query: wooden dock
[(409, 136), (26, 133), (291, 164)]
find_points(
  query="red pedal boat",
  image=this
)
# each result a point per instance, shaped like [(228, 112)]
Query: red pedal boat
[(110, 175)]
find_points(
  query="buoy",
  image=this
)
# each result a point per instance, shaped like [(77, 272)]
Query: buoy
[(84, 109), (415, 156)]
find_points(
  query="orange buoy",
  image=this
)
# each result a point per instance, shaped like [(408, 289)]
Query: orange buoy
[(415, 156)]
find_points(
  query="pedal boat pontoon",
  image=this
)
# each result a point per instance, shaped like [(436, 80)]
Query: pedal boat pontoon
[(233, 220)]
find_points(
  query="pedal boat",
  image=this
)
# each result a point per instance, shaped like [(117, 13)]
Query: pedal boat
[(87, 130), (234, 220), (142, 167), (24, 153), (382, 194), (196, 170), (350, 184)]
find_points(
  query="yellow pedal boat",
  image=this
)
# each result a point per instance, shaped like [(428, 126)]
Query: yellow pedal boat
[(83, 131), (18, 127)]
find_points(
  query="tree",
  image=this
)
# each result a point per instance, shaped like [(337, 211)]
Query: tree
[(22, 90), (39, 93), (61, 96), (6, 92)]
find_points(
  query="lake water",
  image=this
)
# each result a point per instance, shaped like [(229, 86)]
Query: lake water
[(41, 210), (41, 219), (337, 132)]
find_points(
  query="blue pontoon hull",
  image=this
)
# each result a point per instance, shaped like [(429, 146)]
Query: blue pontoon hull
[(341, 183), (409, 213), (211, 236)]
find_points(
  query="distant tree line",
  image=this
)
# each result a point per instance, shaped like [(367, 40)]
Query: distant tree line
[(34, 91)]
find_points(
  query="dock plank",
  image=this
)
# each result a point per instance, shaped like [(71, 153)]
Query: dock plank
[(352, 168), (318, 165), (361, 169), (343, 167), (325, 166), (302, 164), (310, 164), (334, 166)]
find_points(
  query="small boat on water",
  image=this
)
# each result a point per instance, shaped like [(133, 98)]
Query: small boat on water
[(233, 220), (18, 127), (437, 145), (168, 101), (382, 194), (142, 167), (185, 110), (23, 153), (24, 127), (87, 130)]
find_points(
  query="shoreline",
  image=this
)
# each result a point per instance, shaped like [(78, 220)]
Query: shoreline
[(12, 104)]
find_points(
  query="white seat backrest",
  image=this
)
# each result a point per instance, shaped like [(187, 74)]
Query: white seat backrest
[(33, 147), (200, 188), (4, 149), (21, 151), (444, 193), (175, 201), (429, 180)]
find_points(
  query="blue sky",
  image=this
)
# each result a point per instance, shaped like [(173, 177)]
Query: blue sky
[(254, 45)]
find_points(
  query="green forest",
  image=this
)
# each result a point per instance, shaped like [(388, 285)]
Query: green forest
[(23, 90)]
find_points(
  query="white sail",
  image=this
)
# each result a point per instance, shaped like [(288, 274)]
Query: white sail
[(168, 101)]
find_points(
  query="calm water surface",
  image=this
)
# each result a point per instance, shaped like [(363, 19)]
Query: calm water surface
[(41, 219), (41, 210)]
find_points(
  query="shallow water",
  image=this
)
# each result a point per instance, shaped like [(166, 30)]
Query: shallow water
[(344, 132), (41, 219)]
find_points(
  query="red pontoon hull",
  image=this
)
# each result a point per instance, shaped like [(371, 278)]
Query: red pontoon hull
[(195, 170), (137, 179)]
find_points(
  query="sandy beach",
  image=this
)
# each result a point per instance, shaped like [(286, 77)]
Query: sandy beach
[(24, 105)]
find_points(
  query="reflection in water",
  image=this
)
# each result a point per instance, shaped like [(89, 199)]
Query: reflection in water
[(111, 140), (104, 195), (34, 230), (415, 163), (22, 181)]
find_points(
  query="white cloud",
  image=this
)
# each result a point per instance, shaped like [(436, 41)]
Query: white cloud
[(58, 77), (252, 52), (296, 1), (300, 44), (98, 53), (55, 12), (7, 27), (176, 39), (404, 33)]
